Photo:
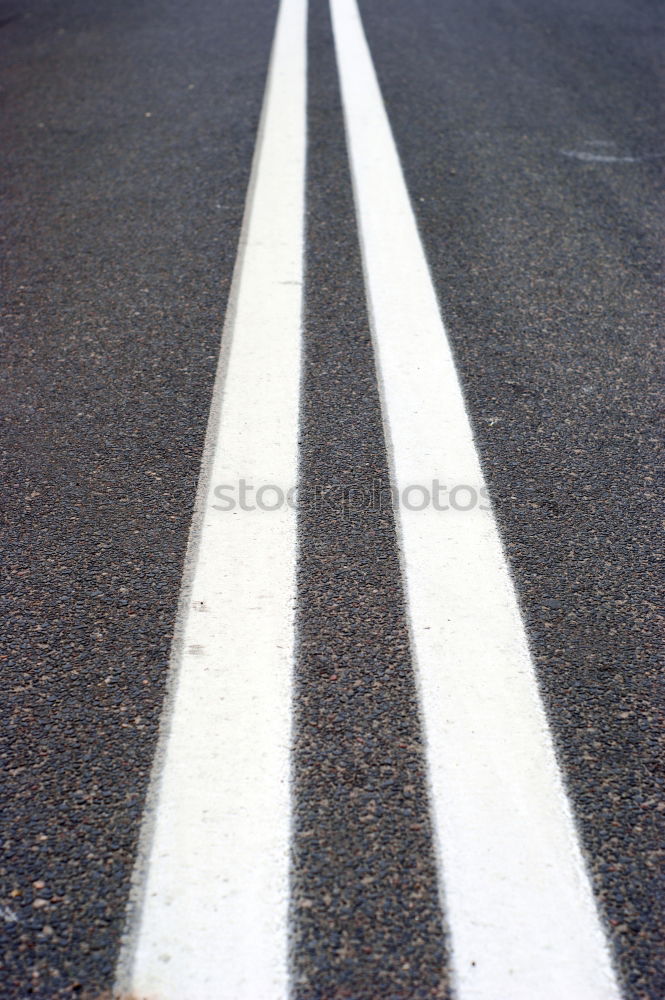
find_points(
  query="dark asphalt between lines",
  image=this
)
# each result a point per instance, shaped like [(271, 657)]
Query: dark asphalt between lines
[(366, 911)]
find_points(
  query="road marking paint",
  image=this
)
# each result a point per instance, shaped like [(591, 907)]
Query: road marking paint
[(588, 157), (521, 914), (208, 917)]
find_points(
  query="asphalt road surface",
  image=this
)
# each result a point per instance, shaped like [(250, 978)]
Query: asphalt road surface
[(325, 798)]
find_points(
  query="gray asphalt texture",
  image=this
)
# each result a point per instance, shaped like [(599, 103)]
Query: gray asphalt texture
[(128, 134), (128, 131), (549, 271)]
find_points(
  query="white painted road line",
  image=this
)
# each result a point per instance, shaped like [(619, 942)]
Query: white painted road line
[(210, 904), (521, 914)]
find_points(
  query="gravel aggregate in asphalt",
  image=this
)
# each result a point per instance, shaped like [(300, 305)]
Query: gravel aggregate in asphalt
[(533, 146)]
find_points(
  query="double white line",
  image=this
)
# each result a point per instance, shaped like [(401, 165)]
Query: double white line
[(208, 918)]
